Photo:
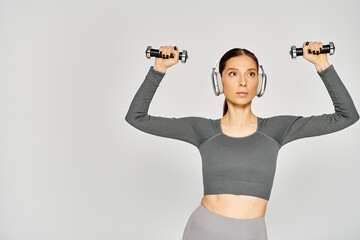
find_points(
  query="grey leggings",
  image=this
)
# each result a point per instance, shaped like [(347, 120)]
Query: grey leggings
[(205, 224)]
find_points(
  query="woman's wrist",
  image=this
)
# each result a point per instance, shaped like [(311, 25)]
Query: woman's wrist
[(322, 66), (160, 68)]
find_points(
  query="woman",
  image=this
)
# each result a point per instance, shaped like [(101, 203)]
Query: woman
[(239, 150)]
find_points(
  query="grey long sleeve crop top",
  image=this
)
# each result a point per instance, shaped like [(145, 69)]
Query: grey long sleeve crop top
[(241, 165)]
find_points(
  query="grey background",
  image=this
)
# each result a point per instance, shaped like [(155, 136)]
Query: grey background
[(72, 168)]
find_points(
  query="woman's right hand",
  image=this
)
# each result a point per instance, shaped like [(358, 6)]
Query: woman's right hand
[(165, 63)]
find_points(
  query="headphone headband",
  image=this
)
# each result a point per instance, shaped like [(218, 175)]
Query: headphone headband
[(217, 61)]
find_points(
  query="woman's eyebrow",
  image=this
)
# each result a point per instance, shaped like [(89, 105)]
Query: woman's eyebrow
[(238, 69)]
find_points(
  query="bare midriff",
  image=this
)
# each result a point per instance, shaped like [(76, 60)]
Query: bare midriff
[(235, 206)]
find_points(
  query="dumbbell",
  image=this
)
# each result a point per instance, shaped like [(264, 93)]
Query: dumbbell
[(183, 56), (330, 48)]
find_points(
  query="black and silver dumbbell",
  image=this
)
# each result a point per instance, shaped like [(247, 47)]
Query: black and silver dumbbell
[(183, 56), (330, 48)]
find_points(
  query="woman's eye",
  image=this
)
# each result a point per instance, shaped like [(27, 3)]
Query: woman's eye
[(235, 73)]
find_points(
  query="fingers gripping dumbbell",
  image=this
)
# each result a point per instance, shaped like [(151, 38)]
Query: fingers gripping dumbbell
[(150, 52), (330, 48)]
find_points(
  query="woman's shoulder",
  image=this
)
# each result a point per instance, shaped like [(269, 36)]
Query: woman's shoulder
[(205, 123), (202, 128), (278, 119), (276, 126)]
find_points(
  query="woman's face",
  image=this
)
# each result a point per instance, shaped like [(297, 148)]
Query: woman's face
[(240, 75)]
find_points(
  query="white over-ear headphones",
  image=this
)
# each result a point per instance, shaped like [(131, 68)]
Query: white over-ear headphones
[(218, 87)]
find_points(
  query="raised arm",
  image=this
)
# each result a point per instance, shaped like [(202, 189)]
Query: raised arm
[(345, 112), (184, 129)]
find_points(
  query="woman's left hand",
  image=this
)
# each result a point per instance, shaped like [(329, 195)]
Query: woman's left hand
[(319, 60), (314, 57)]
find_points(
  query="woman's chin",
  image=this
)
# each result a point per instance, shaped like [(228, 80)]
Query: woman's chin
[(241, 101)]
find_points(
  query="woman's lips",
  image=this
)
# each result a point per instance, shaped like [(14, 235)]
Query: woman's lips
[(241, 93)]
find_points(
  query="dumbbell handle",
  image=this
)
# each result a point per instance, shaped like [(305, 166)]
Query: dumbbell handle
[(150, 52), (330, 48)]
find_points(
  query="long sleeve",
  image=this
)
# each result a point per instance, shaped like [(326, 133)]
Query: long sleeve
[(345, 112), (184, 129)]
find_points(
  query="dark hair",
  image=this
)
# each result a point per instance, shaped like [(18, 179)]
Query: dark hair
[(235, 52)]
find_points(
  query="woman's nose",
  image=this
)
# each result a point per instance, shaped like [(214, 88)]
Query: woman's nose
[(242, 83)]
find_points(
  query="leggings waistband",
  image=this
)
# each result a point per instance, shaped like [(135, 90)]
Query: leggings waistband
[(212, 214), (205, 224)]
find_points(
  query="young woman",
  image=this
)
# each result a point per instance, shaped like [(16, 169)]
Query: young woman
[(239, 150)]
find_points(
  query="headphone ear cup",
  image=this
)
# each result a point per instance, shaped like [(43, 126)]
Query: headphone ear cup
[(218, 78), (215, 82), (262, 82), (261, 77)]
